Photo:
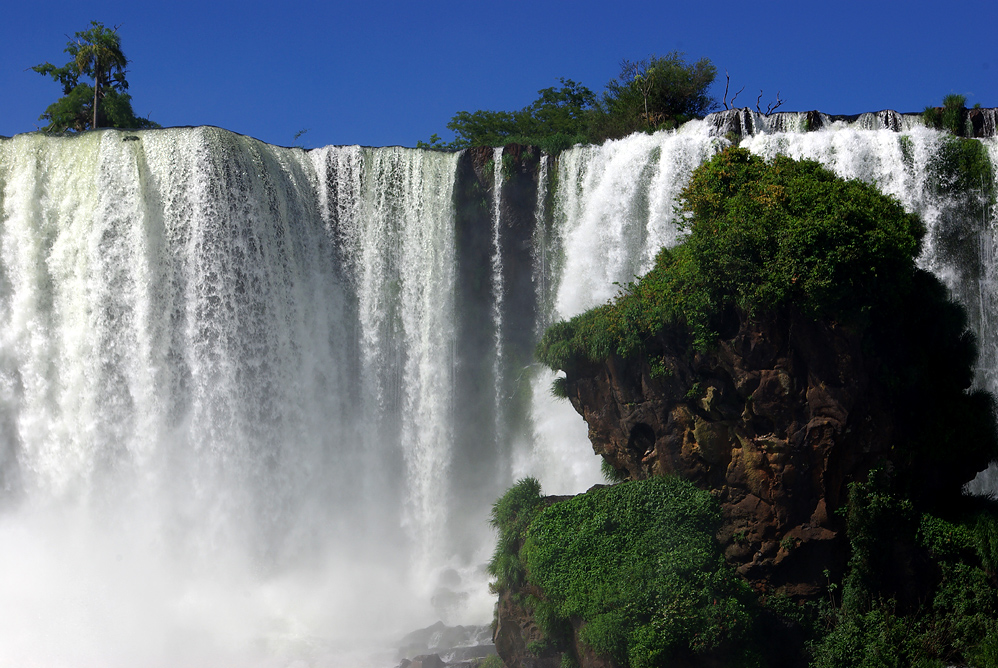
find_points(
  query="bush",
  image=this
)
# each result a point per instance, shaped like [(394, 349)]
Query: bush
[(638, 563), (759, 237), (951, 116), (511, 515)]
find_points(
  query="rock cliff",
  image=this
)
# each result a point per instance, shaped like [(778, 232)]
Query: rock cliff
[(776, 422)]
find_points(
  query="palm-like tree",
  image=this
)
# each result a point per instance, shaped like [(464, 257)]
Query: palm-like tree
[(99, 55), (94, 53)]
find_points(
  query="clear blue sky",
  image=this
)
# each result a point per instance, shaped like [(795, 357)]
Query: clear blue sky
[(383, 72)]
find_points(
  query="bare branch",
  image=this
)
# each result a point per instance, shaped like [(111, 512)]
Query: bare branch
[(773, 106), (736, 96), (757, 101)]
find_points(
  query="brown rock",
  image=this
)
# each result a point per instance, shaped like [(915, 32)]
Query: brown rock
[(779, 418)]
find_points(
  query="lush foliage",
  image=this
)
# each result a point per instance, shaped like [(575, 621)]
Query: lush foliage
[(659, 92), (790, 237), (556, 120), (511, 515), (760, 236), (956, 623), (951, 116), (94, 54), (638, 563), (789, 240)]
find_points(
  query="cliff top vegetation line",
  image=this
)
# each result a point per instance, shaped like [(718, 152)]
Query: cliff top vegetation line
[(655, 93)]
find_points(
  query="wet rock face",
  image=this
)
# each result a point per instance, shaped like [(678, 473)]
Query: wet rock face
[(776, 422)]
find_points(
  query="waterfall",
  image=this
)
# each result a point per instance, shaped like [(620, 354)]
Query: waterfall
[(226, 374), (498, 295), (391, 212), (255, 401)]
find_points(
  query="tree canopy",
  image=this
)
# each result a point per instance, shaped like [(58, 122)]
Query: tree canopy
[(650, 94), (94, 54)]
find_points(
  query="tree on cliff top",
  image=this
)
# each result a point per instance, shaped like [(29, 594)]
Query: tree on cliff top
[(96, 54), (658, 92), (650, 94), (759, 236)]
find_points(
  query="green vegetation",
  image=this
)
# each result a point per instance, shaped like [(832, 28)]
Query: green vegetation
[(96, 54), (556, 120), (760, 237), (789, 241), (491, 661), (955, 623), (651, 94), (788, 237), (657, 93), (511, 515), (637, 562), (951, 116), (636, 569), (612, 474)]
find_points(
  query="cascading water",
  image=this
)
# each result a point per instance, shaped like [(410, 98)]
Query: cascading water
[(226, 403), (238, 418), (498, 294)]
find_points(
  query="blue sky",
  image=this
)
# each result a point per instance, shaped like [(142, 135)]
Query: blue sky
[(383, 72)]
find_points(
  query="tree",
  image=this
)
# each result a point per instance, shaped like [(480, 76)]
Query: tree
[(556, 120), (651, 94), (96, 54), (658, 92)]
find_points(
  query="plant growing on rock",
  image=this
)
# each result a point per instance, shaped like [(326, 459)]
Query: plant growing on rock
[(636, 564)]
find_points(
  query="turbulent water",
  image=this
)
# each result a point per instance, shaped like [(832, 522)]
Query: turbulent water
[(234, 426)]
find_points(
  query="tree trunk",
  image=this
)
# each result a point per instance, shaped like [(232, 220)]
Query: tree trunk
[(96, 92)]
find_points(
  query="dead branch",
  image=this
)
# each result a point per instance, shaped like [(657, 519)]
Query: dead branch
[(736, 96), (727, 82), (773, 106)]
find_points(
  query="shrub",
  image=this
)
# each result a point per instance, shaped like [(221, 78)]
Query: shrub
[(759, 237), (511, 515), (638, 563)]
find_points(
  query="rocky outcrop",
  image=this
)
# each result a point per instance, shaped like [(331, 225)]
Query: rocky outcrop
[(776, 421), (439, 645)]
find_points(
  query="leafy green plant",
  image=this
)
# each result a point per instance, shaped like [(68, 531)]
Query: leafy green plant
[(611, 473), (659, 92), (559, 387), (511, 515), (878, 638), (537, 647), (695, 392), (760, 237), (954, 110), (951, 116), (491, 661), (95, 54), (639, 563), (658, 368)]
